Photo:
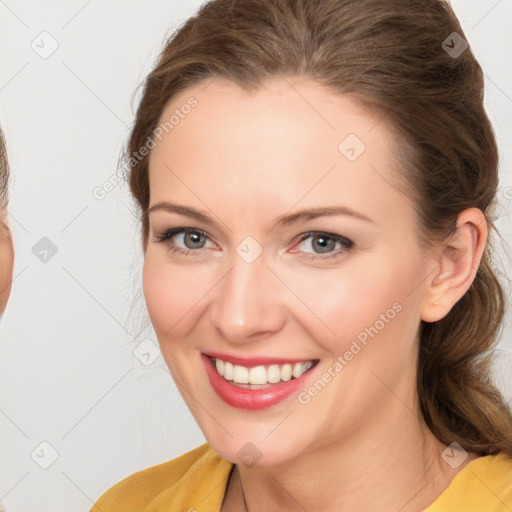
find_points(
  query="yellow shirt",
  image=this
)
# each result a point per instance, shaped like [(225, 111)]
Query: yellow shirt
[(196, 482)]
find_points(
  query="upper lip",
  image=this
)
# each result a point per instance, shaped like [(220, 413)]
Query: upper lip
[(256, 361)]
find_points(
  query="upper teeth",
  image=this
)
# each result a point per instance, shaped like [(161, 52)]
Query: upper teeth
[(261, 374)]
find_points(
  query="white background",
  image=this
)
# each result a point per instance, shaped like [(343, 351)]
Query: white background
[(68, 373)]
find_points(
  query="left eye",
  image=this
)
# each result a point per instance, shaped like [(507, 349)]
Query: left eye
[(324, 243)]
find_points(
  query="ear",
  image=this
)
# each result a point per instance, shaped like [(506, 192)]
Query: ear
[(6, 261), (456, 262)]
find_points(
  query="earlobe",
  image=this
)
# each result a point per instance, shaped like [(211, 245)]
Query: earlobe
[(456, 265)]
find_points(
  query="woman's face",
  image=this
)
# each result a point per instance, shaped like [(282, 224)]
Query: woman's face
[(6, 262), (258, 285)]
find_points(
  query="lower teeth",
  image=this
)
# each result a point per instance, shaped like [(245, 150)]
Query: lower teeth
[(255, 386)]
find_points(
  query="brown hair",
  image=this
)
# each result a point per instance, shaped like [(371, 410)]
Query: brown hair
[(391, 56), (4, 175)]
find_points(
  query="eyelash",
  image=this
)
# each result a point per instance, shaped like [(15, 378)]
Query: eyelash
[(347, 244)]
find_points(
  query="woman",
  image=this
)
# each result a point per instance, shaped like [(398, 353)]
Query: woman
[(316, 180), (6, 248)]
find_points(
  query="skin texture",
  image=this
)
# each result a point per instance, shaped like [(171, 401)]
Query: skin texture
[(6, 262), (245, 159)]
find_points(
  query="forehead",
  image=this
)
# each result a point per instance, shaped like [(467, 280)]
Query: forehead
[(296, 109), (290, 141)]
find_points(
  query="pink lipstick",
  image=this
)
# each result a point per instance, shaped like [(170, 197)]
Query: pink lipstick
[(255, 383)]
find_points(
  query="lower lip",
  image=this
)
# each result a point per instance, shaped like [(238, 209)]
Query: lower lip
[(252, 399)]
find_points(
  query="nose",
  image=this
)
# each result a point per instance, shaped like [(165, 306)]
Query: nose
[(247, 302)]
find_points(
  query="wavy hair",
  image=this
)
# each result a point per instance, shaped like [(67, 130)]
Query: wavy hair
[(401, 58), (4, 174)]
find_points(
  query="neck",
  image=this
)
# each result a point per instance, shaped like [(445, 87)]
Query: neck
[(396, 464)]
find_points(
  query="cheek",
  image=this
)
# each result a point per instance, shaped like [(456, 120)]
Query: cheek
[(173, 295), (368, 299), (6, 267)]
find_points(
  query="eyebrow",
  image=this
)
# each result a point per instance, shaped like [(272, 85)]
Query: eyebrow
[(283, 220)]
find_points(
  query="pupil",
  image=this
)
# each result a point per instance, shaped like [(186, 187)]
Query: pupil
[(325, 243), (196, 237)]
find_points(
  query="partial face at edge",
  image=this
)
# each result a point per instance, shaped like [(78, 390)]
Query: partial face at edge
[(6, 248), (6, 262), (242, 284)]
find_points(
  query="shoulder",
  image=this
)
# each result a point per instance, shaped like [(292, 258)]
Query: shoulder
[(189, 481), (485, 484)]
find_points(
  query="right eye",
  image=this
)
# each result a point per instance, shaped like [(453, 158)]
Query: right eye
[(191, 240)]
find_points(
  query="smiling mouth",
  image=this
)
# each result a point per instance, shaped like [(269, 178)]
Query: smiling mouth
[(261, 376)]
